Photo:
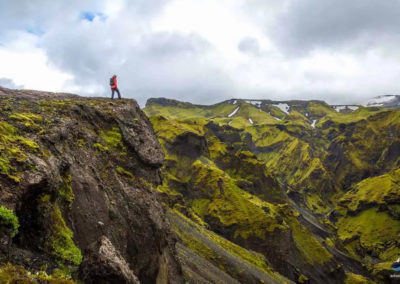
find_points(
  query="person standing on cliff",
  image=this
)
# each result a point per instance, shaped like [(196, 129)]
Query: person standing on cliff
[(114, 87)]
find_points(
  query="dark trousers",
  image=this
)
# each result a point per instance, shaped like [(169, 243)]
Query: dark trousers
[(115, 90)]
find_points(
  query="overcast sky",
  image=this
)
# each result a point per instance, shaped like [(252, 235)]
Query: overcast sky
[(204, 51)]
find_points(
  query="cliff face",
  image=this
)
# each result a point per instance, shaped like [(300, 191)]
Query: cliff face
[(79, 174)]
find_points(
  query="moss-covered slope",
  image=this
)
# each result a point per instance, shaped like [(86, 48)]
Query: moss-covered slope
[(295, 181)]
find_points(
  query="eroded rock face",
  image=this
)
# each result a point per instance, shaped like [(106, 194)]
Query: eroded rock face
[(104, 264), (80, 174)]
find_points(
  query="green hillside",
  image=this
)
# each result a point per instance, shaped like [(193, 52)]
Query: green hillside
[(313, 190)]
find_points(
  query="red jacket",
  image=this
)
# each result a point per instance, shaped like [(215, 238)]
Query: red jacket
[(115, 83)]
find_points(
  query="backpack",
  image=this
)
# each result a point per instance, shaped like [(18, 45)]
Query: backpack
[(111, 81)]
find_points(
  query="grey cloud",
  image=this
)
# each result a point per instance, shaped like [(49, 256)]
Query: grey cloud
[(8, 83), (39, 15), (165, 44), (146, 7), (249, 45), (147, 63), (309, 24)]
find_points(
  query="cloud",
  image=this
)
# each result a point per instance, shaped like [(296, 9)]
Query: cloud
[(8, 83), (41, 14), (204, 51), (147, 62), (249, 45), (311, 24), (26, 64)]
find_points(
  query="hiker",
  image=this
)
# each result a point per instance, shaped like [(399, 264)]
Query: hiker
[(114, 87)]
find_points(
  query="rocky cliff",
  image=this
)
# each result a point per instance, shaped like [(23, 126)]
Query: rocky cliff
[(78, 174)]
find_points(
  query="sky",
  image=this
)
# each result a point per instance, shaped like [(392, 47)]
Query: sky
[(206, 51)]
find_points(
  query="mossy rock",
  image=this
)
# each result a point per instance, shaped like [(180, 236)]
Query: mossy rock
[(17, 274), (8, 220), (59, 238)]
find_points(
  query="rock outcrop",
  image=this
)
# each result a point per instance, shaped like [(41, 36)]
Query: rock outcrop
[(79, 173), (104, 264)]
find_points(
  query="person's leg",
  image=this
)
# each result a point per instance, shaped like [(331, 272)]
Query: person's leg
[(119, 95), (112, 93)]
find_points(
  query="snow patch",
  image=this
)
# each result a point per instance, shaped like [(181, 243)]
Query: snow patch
[(307, 114), (254, 103), (229, 123), (313, 123), (234, 112), (251, 121), (339, 108), (276, 118), (234, 102), (283, 107)]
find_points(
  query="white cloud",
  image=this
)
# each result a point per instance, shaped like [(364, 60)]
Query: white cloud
[(199, 51), (26, 64)]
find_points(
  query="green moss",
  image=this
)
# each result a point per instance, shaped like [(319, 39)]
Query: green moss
[(8, 220), (231, 205), (59, 241), (198, 247), (112, 138), (100, 147), (354, 116), (352, 278), (302, 278), (382, 266), (318, 109), (6, 128), (200, 207), (5, 166), (12, 151), (31, 145), (315, 203), (17, 274), (311, 249), (267, 135), (29, 119), (216, 147), (66, 192), (375, 230), (81, 142), (189, 111), (375, 190), (124, 172), (168, 129)]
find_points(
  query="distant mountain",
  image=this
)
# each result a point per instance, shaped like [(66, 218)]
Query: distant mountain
[(384, 101), (247, 112)]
